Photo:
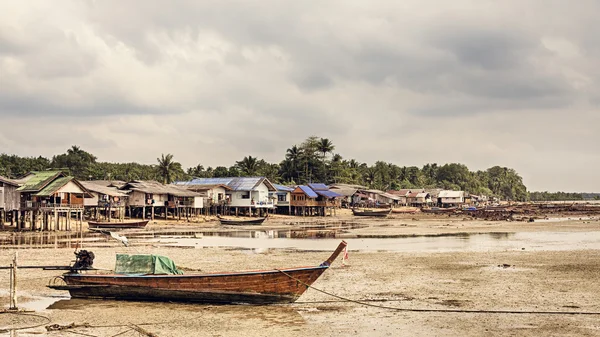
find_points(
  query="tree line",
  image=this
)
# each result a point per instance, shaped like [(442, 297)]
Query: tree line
[(313, 160)]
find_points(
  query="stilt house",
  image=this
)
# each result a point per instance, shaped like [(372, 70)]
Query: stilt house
[(9, 199)]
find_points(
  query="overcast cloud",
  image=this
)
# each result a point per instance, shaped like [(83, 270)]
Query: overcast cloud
[(511, 83)]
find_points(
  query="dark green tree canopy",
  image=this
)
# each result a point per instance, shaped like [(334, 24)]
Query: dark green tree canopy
[(313, 160)]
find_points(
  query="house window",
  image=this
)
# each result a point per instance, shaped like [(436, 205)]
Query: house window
[(245, 195), (281, 197)]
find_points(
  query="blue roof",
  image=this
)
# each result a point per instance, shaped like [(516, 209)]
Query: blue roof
[(308, 191), (328, 194), (236, 183), (283, 188), (318, 187)]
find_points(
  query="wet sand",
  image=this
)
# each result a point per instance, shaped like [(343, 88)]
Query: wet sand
[(513, 280)]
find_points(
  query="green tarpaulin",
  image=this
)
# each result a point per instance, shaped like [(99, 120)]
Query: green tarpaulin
[(145, 264)]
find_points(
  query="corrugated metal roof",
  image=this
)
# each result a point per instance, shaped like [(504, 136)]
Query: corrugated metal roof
[(283, 188), (318, 187), (108, 183), (328, 194), (402, 193), (344, 191), (203, 187), (154, 187), (308, 191), (451, 194), (8, 181), (390, 196), (37, 180), (56, 185), (235, 183), (100, 188), (422, 195)]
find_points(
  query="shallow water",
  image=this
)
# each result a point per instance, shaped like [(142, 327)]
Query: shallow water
[(461, 242)]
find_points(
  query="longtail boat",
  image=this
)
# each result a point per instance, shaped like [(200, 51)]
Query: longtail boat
[(129, 224), (241, 221), (376, 213), (164, 283)]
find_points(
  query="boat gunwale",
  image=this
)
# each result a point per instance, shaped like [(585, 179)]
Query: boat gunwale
[(242, 273)]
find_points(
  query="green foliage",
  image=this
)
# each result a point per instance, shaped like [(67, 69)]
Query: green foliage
[(555, 196), (76, 161), (168, 169), (311, 161)]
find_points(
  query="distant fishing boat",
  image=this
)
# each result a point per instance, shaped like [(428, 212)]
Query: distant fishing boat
[(241, 221), (117, 225), (156, 278), (438, 210), (374, 213)]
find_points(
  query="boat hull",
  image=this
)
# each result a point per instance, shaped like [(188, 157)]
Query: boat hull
[(264, 287), (135, 224), (381, 214), (241, 221)]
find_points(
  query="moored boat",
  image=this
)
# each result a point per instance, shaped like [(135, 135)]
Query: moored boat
[(241, 221), (155, 278), (117, 225), (368, 212)]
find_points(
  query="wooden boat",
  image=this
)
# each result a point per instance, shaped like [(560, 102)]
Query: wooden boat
[(376, 213), (253, 287), (438, 210), (113, 225), (241, 221)]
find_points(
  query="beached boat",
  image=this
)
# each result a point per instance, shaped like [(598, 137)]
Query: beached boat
[(155, 278), (241, 221), (117, 225), (438, 210), (377, 213)]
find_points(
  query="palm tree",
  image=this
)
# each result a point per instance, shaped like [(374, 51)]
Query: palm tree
[(248, 165), (196, 171), (166, 167), (293, 155), (325, 146)]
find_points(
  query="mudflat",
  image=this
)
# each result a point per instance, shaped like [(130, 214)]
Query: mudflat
[(389, 283)]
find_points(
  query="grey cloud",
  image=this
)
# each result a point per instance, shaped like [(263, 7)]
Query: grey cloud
[(220, 80)]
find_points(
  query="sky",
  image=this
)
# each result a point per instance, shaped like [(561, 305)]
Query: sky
[(480, 82)]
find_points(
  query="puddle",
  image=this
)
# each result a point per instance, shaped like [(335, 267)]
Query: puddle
[(461, 242), (41, 303), (49, 240)]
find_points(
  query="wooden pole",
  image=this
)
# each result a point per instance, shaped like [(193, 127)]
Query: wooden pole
[(13, 284)]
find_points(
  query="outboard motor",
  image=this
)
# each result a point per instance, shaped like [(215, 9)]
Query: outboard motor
[(84, 260)]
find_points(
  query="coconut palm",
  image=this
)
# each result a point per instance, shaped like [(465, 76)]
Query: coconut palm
[(248, 166), (293, 156), (325, 146), (166, 168)]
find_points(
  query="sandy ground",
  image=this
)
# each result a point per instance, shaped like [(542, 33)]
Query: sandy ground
[(530, 281)]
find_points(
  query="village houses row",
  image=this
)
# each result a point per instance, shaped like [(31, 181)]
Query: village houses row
[(54, 193)]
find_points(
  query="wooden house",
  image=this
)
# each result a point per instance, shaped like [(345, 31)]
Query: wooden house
[(282, 198), (418, 199), (402, 196), (49, 194), (451, 198), (382, 199), (106, 200), (212, 194), (349, 193), (249, 194), (9, 199), (308, 201), (152, 196)]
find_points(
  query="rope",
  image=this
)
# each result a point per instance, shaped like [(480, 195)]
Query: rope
[(470, 311), (47, 320)]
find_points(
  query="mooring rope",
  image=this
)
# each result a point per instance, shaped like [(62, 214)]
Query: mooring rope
[(469, 311), (47, 320)]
